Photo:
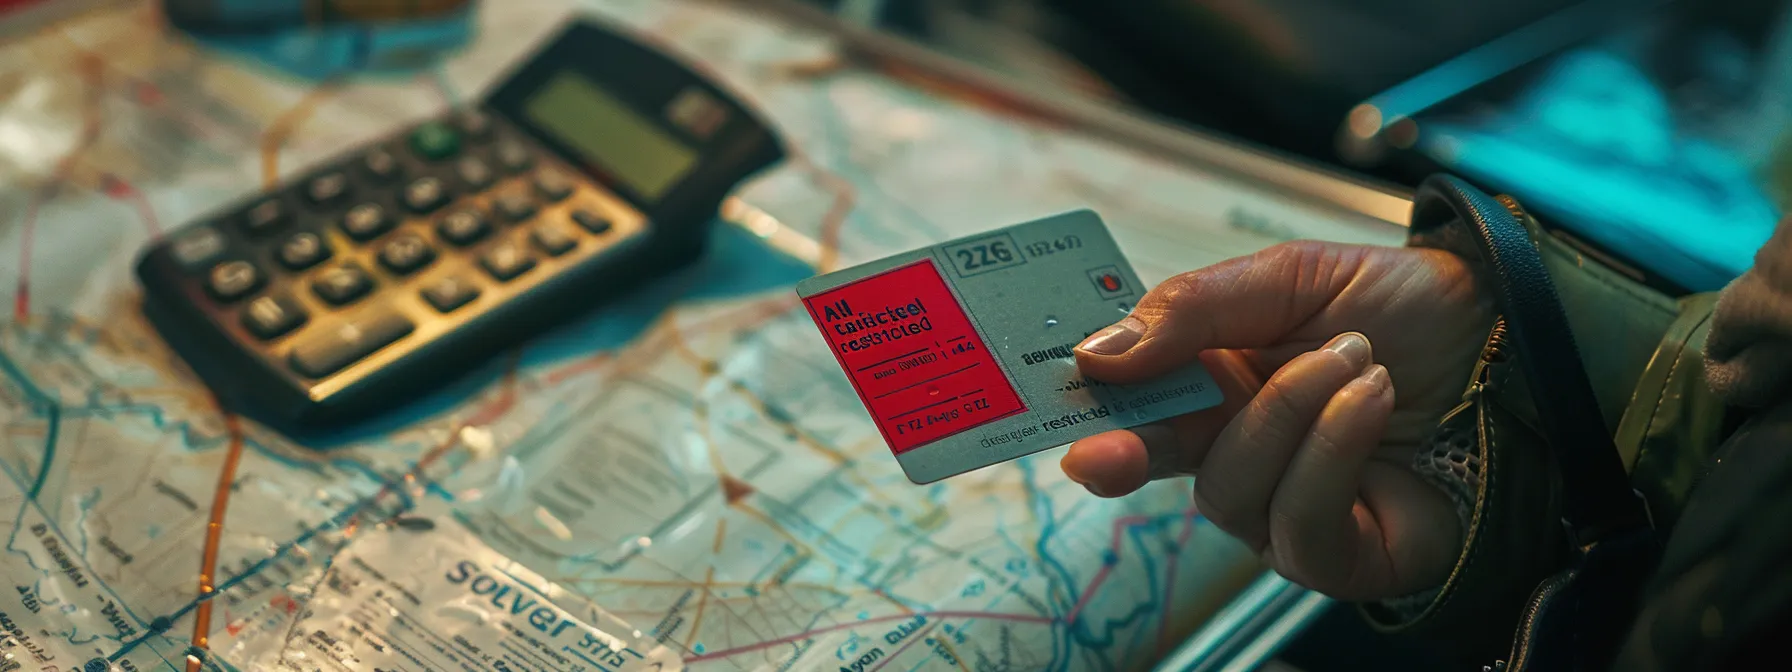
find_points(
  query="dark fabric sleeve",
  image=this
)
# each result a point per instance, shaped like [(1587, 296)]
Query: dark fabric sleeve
[(1724, 585), (1749, 353), (1723, 591)]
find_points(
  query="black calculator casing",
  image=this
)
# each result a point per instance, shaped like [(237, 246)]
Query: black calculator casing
[(632, 240)]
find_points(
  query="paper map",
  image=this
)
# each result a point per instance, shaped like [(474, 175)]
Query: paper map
[(694, 487)]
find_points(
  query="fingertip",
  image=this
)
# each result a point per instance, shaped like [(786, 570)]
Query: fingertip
[(1374, 385), (1110, 464), (1115, 339)]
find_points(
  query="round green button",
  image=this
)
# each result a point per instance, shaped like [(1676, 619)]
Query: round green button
[(434, 141)]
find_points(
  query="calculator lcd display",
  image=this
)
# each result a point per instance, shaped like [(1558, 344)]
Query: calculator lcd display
[(607, 133)]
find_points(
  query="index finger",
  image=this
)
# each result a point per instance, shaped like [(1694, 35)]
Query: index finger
[(1245, 302), (1116, 463)]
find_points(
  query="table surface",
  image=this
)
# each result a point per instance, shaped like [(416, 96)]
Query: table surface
[(690, 463)]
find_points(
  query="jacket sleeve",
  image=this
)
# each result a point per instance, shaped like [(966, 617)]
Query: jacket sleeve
[(1750, 349), (1722, 579), (1642, 351)]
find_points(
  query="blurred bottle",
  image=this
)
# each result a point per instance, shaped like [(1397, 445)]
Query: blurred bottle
[(322, 39)]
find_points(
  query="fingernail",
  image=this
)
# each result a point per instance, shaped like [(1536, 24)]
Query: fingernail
[(1354, 347), (1116, 339), (1079, 479), (1377, 380)]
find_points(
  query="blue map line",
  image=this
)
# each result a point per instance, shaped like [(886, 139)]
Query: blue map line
[(1042, 506), (335, 522), (52, 410), (53, 428), (53, 413), (12, 540), (1085, 634)]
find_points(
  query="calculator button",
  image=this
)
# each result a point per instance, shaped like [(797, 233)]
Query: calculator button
[(233, 279), (380, 164), (366, 221), (449, 293), (405, 253), (474, 172), (270, 317), (265, 216), (425, 194), (591, 221), (512, 156), (302, 251), (553, 185), (514, 206), (434, 141), (463, 227), (342, 284), (507, 260), (196, 248), (327, 188), (327, 351), (553, 239), (474, 123)]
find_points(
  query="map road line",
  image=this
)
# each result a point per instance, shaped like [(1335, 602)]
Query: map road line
[(214, 533), (970, 615)]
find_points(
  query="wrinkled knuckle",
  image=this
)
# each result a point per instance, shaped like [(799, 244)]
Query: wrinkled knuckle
[(1296, 252), (1180, 291)]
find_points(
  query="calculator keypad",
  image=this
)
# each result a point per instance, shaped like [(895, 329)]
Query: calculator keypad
[(373, 248), (553, 185), (272, 316), (553, 239), (302, 250), (512, 156), (464, 227), (343, 284), (327, 188), (591, 221), (380, 164), (514, 206), (406, 252), (328, 351), (198, 247), (448, 293), (425, 194), (474, 172), (507, 260), (434, 141), (265, 216), (234, 279)]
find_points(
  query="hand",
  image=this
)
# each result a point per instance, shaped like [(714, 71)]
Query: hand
[(1309, 458)]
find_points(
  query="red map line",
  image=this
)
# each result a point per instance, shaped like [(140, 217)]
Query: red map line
[(118, 189), (1120, 525), (93, 71)]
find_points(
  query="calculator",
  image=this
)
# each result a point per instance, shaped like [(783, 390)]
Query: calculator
[(598, 164)]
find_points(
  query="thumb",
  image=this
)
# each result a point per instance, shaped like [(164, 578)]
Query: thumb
[(1241, 303)]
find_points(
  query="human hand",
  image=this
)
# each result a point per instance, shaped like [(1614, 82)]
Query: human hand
[(1308, 459)]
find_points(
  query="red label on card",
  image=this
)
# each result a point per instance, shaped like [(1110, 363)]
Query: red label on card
[(913, 356)]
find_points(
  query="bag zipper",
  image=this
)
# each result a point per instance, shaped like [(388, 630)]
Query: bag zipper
[(1527, 621)]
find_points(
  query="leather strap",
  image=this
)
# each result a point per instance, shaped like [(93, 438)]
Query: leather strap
[(1598, 500)]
